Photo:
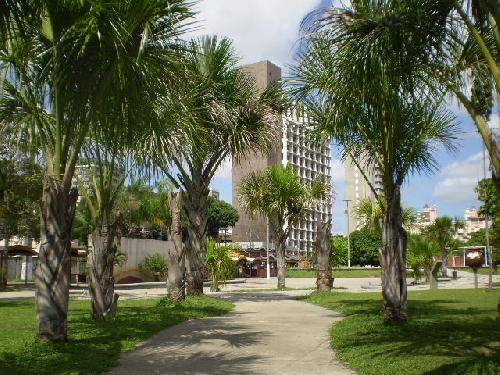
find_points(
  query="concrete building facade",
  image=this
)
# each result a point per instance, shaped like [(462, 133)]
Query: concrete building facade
[(291, 148), (357, 189)]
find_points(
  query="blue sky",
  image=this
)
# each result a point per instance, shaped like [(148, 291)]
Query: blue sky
[(269, 29)]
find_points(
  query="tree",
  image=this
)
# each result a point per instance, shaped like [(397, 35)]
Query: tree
[(338, 251), (278, 194), (370, 215), (365, 245), (475, 56), (20, 196), (176, 255), (363, 77), (324, 279), (443, 232), (486, 193), (226, 117), (220, 215), (79, 69), (421, 254), (219, 264)]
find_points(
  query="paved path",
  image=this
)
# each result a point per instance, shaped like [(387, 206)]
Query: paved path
[(267, 333)]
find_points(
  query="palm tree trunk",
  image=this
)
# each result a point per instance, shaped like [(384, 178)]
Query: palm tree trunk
[(197, 214), (101, 280), (280, 260), (393, 260), (322, 245), (175, 257), (53, 270)]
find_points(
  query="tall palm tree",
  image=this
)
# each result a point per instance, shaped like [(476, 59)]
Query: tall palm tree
[(278, 194), (70, 70), (366, 87), (227, 118)]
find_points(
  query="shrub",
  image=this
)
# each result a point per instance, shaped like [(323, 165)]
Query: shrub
[(338, 251), (421, 253), (155, 264), (219, 264)]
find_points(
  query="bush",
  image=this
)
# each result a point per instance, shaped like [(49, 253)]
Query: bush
[(155, 264), (338, 251), (421, 253), (365, 244), (219, 264)]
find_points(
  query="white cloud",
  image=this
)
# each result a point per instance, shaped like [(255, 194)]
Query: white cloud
[(224, 170), (459, 180), (260, 29)]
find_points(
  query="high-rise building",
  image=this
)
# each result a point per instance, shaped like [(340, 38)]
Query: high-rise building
[(357, 189), (291, 148)]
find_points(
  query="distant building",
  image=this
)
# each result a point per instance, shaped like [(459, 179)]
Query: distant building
[(426, 217), (357, 188), (308, 161), (473, 222), (214, 194)]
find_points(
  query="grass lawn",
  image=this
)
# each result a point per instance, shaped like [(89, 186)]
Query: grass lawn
[(481, 271), (449, 332), (337, 273), (93, 347)]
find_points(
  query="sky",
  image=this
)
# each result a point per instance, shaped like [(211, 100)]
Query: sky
[(269, 30)]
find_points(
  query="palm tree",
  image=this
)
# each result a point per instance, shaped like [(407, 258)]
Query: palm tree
[(227, 117), (443, 232), (70, 70), (278, 194), (370, 214), (367, 88), (473, 75)]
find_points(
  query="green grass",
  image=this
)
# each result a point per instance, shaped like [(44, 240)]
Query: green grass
[(337, 273), (93, 347), (481, 271), (448, 332)]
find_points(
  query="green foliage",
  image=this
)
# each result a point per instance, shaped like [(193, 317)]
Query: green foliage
[(278, 193), (154, 264), (467, 344), (219, 264), (370, 215), (421, 253), (220, 215), (442, 232), (365, 244), (487, 194), (20, 197), (92, 347), (338, 251)]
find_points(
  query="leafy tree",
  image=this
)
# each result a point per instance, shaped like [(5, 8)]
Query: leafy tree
[(365, 245), (363, 78), (487, 194), (220, 215), (226, 117), (20, 196), (79, 69), (278, 194), (219, 264), (338, 251)]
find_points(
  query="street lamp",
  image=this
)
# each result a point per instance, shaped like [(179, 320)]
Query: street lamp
[(268, 267), (348, 234)]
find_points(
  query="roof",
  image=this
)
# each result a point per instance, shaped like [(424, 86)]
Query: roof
[(21, 250)]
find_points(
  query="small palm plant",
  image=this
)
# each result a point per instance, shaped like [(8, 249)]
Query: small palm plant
[(219, 264), (278, 194)]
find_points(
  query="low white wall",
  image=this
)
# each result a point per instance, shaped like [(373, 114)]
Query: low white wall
[(136, 250)]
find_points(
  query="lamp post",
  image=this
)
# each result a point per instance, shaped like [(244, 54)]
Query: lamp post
[(348, 234)]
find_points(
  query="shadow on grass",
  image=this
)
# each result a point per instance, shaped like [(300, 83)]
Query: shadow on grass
[(442, 336), (93, 347)]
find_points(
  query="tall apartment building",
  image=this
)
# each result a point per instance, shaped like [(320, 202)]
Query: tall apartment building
[(357, 188), (307, 160)]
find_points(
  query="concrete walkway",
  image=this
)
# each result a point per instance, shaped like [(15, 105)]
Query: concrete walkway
[(267, 333)]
